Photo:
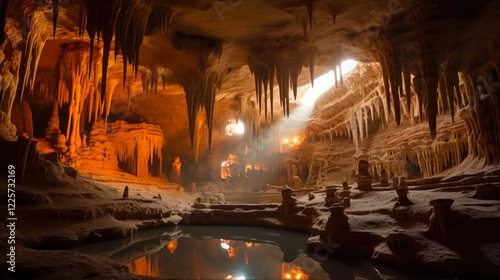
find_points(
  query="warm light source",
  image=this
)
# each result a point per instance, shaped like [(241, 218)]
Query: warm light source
[(171, 246), (286, 140), (325, 82), (295, 140), (235, 127), (224, 244)]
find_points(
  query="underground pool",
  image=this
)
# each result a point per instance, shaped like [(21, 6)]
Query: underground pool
[(209, 252)]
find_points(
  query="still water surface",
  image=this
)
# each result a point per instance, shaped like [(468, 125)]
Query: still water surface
[(204, 252)]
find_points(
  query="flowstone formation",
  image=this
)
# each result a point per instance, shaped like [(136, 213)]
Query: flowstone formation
[(137, 146), (98, 153)]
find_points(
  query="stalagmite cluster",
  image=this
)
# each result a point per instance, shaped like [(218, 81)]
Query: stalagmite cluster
[(53, 133), (98, 153)]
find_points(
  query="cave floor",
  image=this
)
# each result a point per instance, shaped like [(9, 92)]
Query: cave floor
[(58, 217)]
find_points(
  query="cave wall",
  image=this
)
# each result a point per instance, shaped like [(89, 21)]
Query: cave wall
[(357, 111), (434, 64)]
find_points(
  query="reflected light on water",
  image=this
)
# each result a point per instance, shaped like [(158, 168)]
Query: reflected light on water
[(199, 259), (172, 245), (147, 266)]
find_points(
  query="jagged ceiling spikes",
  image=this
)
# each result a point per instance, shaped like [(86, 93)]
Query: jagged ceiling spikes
[(443, 91), (294, 76), (395, 96), (55, 15), (3, 15), (407, 82), (210, 105), (417, 83), (431, 84), (312, 61), (266, 82), (271, 72), (456, 82), (82, 21), (310, 9), (385, 76), (304, 28), (340, 74), (449, 88), (258, 87)]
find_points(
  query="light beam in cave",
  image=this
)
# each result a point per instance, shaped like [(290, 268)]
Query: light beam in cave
[(325, 82)]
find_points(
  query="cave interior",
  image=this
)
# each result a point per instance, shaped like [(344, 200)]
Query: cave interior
[(373, 126)]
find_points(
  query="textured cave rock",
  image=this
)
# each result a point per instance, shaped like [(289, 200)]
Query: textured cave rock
[(122, 87), (427, 70)]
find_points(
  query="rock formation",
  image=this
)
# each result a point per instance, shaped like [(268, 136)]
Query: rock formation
[(99, 153), (116, 87), (53, 133)]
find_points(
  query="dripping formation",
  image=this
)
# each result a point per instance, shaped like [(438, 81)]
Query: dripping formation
[(281, 59), (423, 75)]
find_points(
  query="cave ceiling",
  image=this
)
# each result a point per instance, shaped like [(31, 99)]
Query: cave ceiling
[(245, 58)]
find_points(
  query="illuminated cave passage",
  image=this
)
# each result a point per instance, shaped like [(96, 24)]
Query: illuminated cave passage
[(371, 127)]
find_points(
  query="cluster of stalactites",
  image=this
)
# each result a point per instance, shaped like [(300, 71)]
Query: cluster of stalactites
[(34, 39), (281, 59), (417, 64), (125, 20), (75, 87), (200, 81)]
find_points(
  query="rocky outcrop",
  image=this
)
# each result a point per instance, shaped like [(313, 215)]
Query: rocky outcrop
[(99, 153)]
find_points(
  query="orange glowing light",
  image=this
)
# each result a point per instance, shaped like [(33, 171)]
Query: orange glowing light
[(231, 252), (286, 140), (295, 140), (171, 246), (248, 244), (144, 266), (289, 271)]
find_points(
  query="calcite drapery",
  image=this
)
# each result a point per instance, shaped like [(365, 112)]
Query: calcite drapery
[(136, 145), (139, 144)]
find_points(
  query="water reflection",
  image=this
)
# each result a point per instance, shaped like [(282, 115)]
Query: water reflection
[(217, 258), (194, 252)]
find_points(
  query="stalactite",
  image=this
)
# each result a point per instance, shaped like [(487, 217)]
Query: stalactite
[(418, 84), (200, 81), (385, 76), (55, 15), (443, 92), (125, 20), (34, 42), (449, 87), (310, 9), (3, 16), (283, 59)]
